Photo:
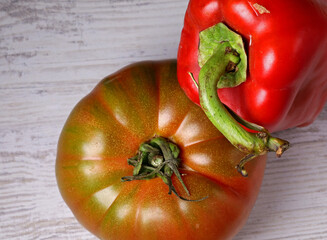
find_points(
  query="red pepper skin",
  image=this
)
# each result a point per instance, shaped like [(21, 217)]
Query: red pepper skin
[(286, 84)]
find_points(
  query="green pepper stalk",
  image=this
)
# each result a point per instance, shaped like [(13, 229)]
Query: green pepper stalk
[(225, 66)]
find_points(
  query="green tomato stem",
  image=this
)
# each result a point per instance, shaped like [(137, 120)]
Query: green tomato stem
[(158, 158)]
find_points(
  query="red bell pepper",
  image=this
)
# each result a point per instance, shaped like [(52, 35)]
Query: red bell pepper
[(282, 66)]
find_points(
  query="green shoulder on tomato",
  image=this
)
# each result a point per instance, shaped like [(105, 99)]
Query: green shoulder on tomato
[(108, 126)]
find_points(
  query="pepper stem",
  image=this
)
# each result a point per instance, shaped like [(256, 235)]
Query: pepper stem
[(225, 60), (158, 158)]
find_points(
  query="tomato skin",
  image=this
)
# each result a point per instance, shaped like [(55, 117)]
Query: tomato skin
[(107, 127)]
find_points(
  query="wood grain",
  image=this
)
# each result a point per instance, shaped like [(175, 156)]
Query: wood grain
[(52, 53)]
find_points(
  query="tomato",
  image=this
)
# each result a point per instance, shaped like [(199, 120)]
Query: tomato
[(107, 127)]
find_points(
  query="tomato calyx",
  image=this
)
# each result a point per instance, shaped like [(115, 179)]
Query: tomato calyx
[(158, 157)]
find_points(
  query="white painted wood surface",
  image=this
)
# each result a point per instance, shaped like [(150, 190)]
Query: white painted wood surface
[(52, 53)]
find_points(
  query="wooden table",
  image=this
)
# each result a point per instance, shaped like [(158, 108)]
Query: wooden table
[(52, 53)]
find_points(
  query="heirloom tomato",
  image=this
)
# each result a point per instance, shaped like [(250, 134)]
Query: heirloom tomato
[(142, 103)]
